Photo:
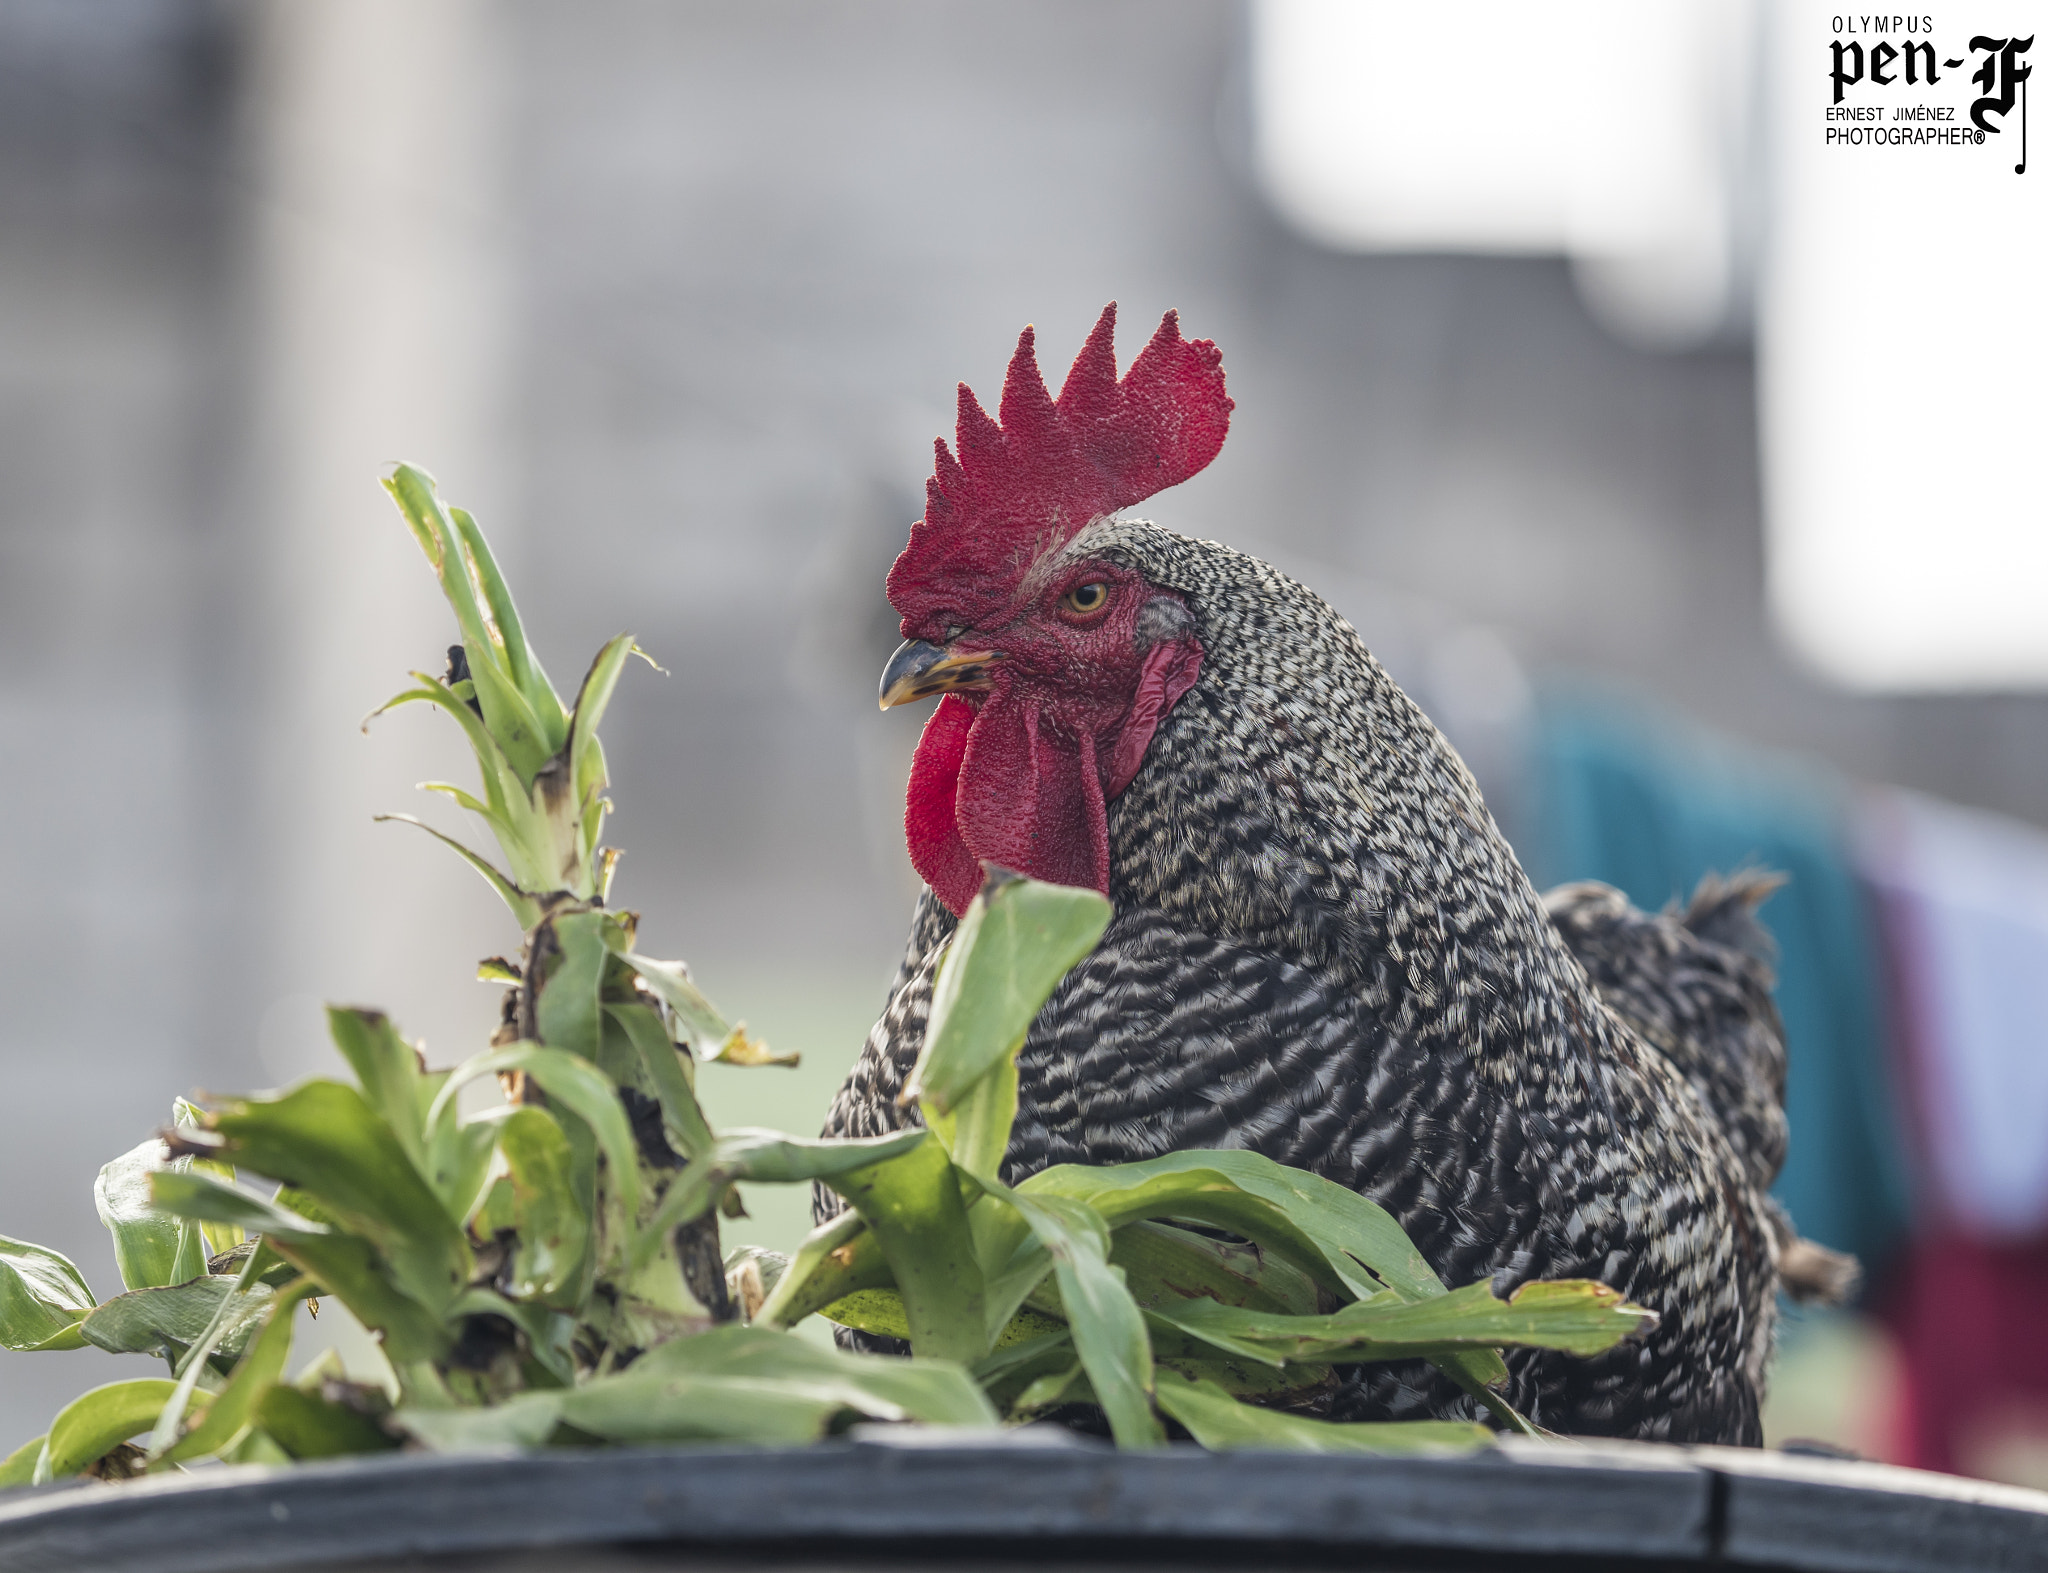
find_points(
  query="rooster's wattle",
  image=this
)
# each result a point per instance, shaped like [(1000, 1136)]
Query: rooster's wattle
[(1322, 948)]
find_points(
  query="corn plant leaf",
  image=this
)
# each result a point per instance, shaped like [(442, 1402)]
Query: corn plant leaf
[(520, 663), (549, 1334), (151, 1247), (838, 1258), (937, 1392), (553, 1230), (746, 1384), (346, 1265), (508, 806), (233, 1408), (524, 1421), (1052, 1389), (508, 714), (523, 907), (1577, 1316), (43, 1298), (389, 1071), (1018, 939), (1164, 1264), (912, 1206), (585, 756), (1222, 1424), (570, 1016), (879, 1311), (307, 1426), (1333, 1233), (148, 1321), (323, 1138), (976, 1130), (1107, 1326), (350, 1268), (18, 1468), (202, 1196), (697, 1021), (739, 1049), (682, 1118), (94, 1424), (577, 1086), (1359, 1242), (459, 1159), (746, 1153)]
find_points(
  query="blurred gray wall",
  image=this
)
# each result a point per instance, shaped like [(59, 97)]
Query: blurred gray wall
[(675, 297)]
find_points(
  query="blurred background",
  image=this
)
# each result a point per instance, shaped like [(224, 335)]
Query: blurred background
[(1677, 461)]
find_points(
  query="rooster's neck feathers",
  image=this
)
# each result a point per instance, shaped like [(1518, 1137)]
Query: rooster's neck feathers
[(1298, 800)]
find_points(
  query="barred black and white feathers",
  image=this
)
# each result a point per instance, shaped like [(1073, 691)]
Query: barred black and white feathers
[(1324, 951)]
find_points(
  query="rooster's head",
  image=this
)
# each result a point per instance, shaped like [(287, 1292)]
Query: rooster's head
[(1057, 666)]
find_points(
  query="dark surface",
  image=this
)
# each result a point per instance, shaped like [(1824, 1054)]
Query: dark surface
[(940, 1500)]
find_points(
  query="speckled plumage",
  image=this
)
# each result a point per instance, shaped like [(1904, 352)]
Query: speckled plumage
[(1324, 951)]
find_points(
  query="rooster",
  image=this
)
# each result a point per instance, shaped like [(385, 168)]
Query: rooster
[(1322, 949)]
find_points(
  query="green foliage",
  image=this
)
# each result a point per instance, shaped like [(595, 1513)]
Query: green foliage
[(548, 1271)]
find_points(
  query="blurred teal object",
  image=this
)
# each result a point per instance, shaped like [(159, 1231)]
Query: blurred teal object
[(1625, 796)]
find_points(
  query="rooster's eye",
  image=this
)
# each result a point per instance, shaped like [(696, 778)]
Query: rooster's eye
[(1086, 598)]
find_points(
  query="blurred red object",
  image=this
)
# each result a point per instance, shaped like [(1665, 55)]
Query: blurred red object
[(1971, 1319)]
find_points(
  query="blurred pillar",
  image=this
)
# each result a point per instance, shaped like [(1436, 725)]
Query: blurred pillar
[(374, 129)]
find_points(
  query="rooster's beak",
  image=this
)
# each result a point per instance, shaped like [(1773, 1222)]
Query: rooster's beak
[(918, 670)]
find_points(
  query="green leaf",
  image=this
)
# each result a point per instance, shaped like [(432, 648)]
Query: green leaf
[(151, 1247), (508, 806), (345, 1265), (1018, 939), (682, 1118), (233, 1409), (524, 907), (936, 1392), (767, 1157), (1222, 1424), (511, 719), (43, 1298), (256, 1447), (570, 1017), (749, 1384), (525, 1421), (976, 1130), (147, 1321), (520, 663), (577, 1086), (912, 1206), (1353, 1240), (214, 1237), (878, 1311), (1323, 1228), (1165, 1264), (18, 1468), (323, 1138), (838, 1258), (349, 1268), (553, 1231), (586, 758), (307, 1426), (697, 1020), (202, 1196), (1107, 1326), (91, 1426), (459, 1159), (739, 1049), (1577, 1316), (549, 1334), (390, 1071)]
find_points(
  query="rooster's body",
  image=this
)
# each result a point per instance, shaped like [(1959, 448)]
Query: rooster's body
[(1324, 951)]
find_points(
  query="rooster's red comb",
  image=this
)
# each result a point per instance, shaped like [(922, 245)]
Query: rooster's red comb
[(1030, 484)]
